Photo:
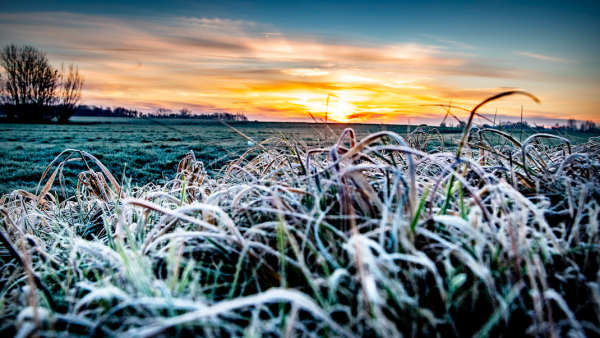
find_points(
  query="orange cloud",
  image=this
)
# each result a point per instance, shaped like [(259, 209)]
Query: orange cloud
[(218, 65), (305, 72), (364, 116)]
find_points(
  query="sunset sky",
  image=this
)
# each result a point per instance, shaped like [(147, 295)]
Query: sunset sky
[(278, 60)]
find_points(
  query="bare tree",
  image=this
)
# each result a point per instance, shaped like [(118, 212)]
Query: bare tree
[(588, 126), (572, 124), (71, 84), (30, 82), (185, 113), (32, 90), (164, 112)]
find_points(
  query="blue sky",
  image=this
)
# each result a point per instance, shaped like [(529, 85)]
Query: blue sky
[(451, 50)]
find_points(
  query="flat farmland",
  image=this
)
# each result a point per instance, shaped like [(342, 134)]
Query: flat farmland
[(148, 150)]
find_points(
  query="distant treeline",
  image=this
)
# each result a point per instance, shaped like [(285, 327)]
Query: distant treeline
[(160, 113), (572, 125), (106, 112)]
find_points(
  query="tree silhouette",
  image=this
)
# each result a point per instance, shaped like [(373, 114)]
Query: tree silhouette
[(588, 126), (185, 113), (572, 124), (33, 91), (71, 84)]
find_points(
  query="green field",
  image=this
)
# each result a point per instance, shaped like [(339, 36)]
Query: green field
[(152, 148)]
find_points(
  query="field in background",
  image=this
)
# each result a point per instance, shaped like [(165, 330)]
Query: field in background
[(153, 147)]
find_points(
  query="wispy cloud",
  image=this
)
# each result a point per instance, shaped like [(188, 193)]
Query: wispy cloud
[(450, 42), (457, 44), (305, 72), (363, 116), (545, 57)]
